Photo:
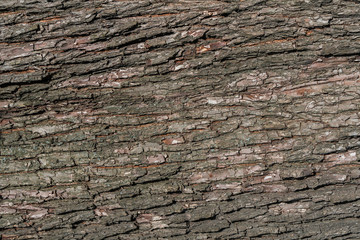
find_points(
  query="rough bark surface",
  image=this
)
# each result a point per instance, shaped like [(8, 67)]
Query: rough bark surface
[(179, 119)]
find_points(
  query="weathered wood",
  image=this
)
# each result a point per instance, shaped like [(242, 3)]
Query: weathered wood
[(179, 119)]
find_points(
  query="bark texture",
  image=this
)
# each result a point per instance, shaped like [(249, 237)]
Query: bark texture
[(179, 119)]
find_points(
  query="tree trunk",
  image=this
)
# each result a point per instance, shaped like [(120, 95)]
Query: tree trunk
[(179, 119)]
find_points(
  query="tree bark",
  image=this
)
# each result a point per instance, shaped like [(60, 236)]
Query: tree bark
[(179, 119)]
